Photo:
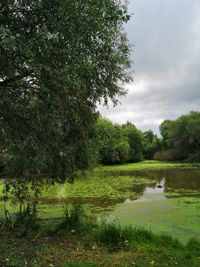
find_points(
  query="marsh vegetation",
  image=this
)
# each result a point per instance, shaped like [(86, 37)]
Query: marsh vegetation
[(124, 217)]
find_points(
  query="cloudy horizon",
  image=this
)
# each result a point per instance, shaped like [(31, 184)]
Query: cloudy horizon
[(166, 39)]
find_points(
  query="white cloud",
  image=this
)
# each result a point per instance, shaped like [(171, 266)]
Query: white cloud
[(166, 54), (138, 88)]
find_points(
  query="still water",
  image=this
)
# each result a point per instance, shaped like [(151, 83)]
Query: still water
[(166, 200), (172, 205)]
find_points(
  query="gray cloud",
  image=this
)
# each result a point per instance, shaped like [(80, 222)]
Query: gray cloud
[(166, 40)]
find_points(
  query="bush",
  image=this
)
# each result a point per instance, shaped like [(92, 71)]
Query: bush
[(72, 218), (168, 155)]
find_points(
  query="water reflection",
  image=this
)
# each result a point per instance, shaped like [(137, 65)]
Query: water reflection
[(178, 213), (151, 193), (176, 179)]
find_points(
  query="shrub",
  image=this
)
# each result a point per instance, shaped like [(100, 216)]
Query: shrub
[(168, 155), (72, 218)]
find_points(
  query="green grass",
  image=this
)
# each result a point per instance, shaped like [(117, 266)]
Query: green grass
[(144, 165), (102, 245), (117, 237)]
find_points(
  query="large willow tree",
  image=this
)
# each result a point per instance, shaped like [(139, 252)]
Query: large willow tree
[(58, 59)]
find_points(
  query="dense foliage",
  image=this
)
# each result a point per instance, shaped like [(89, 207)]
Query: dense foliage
[(180, 141), (181, 138), (57, 60), (117, 144), (151, 144), (135, 140)]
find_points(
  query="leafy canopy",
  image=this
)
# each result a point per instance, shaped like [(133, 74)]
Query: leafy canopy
[(58, 59), (181, 138), (117, 144)]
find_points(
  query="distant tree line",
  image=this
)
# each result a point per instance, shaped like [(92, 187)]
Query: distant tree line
[(179, 141), (112, 143)]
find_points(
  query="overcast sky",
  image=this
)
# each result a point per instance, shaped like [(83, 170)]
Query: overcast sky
[(166, 55)]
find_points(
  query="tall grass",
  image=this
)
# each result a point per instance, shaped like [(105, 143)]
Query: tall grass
[(74, 220), (112, 236), (115, 237), (24, 219)]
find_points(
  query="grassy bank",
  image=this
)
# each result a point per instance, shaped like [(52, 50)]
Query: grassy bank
[(147, 165), (93, 245)]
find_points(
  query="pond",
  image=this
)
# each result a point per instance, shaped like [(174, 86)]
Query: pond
[(171, 205), (163, 200)]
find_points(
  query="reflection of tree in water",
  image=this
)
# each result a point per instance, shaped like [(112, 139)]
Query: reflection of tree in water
[(151, 193)]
